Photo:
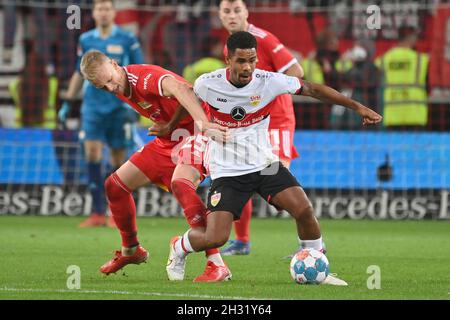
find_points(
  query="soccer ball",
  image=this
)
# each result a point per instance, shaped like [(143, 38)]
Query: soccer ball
[(309, 266)]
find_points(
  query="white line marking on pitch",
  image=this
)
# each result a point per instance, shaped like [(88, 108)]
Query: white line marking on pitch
[(152, 294)]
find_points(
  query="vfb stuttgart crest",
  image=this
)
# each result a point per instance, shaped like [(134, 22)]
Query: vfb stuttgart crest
[(215, 199), (255, 100)]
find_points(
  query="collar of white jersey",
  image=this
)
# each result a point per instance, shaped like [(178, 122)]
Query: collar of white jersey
[(227, 76)]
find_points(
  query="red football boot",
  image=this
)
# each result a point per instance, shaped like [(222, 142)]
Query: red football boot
[(214, 273), (94, 220), (119, 261)]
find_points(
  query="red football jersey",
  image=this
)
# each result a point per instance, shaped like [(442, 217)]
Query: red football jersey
[(147, 98), (273, 56)]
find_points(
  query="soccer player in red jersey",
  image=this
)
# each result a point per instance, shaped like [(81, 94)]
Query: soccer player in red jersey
[(160, 95), (272, 56)]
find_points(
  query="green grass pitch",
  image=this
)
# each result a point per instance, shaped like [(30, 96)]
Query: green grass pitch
[(413, 256)]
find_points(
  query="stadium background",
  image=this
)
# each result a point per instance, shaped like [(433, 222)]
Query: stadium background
[(344, 170)]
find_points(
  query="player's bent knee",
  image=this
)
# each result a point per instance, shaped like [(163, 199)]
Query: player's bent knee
[(176, 187), (305, 213), (110, 187), (114, 188)]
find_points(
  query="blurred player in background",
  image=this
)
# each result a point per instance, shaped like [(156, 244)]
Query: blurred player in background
[(245, 164), (104, 118), (159, 95), (272, 56)]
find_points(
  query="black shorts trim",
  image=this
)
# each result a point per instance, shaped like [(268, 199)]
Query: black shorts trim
[(232, 193)]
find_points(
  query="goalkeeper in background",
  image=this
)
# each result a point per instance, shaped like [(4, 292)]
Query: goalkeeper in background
[(104, 118)]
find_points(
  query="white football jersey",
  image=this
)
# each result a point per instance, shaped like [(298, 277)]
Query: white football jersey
[(246, 111)]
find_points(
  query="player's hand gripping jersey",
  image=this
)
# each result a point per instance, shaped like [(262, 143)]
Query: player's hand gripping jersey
[(246, 111)]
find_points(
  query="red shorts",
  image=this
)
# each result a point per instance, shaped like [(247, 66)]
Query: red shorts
[(282, 141), (192, 151), (158, 159)]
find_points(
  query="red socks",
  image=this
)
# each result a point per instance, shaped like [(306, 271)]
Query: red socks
[(123, 209), (193, 207), (242, 226)]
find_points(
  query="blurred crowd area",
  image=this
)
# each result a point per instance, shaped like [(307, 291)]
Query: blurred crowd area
[(331, 39)]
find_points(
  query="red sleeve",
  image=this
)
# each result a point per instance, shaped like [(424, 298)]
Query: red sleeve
[(149, 81), (280, 56)]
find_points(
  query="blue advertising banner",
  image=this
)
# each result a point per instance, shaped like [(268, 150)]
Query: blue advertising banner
[(355, 175), (328, 159), (352, 160)]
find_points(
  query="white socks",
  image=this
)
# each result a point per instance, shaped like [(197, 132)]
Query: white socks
[(216, 258), (182, 246), (315, 244)]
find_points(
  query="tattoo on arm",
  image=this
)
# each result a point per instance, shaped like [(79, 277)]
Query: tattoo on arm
[(326, 94)]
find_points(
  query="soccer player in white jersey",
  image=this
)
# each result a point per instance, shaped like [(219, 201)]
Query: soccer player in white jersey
[(239, 98), (272, 56)]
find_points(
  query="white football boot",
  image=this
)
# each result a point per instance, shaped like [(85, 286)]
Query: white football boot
[(333, 280), (175, 264)]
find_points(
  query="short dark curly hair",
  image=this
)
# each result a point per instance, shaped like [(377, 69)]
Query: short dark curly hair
[(240, 40)]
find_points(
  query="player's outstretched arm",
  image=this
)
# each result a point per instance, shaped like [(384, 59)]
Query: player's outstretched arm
[(186, 97), (329, 95), (295, 70)]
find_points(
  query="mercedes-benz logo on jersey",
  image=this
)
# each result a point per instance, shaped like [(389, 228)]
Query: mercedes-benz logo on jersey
[(238, 113)]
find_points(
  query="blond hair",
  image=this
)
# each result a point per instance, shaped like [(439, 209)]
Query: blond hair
[(91, 63)]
